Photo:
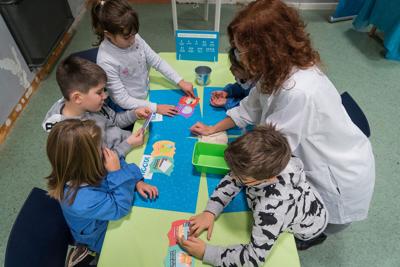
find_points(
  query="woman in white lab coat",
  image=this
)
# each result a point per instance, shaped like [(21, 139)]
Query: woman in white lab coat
[(295, 94)]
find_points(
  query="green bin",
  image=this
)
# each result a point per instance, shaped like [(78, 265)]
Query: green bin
[(209, 158)]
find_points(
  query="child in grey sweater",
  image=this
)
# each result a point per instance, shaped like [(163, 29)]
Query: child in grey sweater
[(82, 86), (277, 194)]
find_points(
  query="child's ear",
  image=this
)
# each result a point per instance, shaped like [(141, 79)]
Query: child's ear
[(76, 97), (108, 35)]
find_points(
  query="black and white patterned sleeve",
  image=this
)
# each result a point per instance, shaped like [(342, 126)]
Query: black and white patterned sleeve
[(225, 191), (266, 229)]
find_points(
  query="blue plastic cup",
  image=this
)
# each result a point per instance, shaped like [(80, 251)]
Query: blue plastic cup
[(203, 75)]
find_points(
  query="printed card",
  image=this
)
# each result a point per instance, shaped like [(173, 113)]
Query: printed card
[(176, 257), (178, 228)]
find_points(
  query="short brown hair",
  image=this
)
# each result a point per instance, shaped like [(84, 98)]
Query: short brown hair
[(113, 16), (261, 153), (73, 151), (75, 73), (275, 40)]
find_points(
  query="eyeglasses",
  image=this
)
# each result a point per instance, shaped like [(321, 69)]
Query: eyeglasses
[(237, 53), (243, 182)]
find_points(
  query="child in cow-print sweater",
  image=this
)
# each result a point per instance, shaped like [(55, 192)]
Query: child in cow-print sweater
[(277, 193)]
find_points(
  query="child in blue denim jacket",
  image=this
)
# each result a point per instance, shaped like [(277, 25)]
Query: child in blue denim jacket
[(233, 93)]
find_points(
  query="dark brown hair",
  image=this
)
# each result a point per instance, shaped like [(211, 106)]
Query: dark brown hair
[(261, 153), (113, 16), (275, 41), (73, 149), (78, 74)]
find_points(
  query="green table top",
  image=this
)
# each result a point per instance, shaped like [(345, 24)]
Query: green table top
[(140, 238)]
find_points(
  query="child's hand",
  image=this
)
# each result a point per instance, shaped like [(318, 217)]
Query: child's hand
[(187, 87), (201, 222), (146, 190), (142, 113), (111, 160), (218, 102), (202, 129), (219, 94), (136, 139), (194, 246), (167, 110)]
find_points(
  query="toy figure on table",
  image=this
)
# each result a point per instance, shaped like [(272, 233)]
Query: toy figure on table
[(232, 94)]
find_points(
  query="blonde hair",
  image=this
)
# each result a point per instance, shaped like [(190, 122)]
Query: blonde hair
[(73, 148)]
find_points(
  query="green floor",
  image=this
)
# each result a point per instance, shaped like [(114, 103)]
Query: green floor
[(353, 62)]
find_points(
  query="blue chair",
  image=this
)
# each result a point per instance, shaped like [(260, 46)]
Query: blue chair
[(90, 54), (355, 113), (40, 236)]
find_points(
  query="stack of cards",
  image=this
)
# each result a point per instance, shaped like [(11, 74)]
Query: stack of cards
[(176, 257)]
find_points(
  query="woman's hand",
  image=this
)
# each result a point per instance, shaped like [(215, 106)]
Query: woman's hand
[(111, 160), (202, 129)]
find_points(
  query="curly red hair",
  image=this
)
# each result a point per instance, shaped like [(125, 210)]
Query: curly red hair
[(275, 41)]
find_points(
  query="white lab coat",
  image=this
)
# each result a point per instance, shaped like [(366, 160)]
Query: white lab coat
[(337, 156)]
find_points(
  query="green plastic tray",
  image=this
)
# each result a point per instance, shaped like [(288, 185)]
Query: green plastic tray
[(209, 158)]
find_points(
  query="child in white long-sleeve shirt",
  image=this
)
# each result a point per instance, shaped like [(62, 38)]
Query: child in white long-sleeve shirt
[(127, 58)]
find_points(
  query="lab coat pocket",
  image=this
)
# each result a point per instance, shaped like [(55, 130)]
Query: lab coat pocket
[(325, 184)]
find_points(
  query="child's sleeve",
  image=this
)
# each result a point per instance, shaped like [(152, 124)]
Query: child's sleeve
[(236, 91), (118, 92), (223, 194), (154, 60), (116, 202), (266, 229), (248, 112), (231, 103), (120, 119), (122, 148)]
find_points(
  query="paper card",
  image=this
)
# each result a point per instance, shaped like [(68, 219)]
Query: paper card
[(165, 165), (176, 257), (162, 164), (147, 123), (145, 168), (185, 110), (187, 105), (155, 117), (189, 101), (178, 228), (163, 148)]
